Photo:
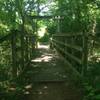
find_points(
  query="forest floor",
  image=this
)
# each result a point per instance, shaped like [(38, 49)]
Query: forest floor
[(49, 78)]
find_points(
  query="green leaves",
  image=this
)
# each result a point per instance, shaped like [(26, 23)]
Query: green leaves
[(96, 97)]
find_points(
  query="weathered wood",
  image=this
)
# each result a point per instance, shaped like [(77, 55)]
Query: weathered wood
[(58, 26), (85, 54), (45, 17), (74, 48), (33, 44), (67, 35), (26, 49), (22, 50), (14, 55), (69, 55), (71, 67), (20, 45), (69, 45)]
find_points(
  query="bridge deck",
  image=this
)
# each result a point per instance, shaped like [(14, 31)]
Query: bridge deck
[(50, 78)]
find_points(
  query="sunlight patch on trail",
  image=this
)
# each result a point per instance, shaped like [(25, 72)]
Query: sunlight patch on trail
[(43, 59), (43, 46)]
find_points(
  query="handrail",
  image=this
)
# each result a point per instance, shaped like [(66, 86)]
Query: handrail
[(69, 55), (68, 44), (15, 40), (68, 35), (71, 46)]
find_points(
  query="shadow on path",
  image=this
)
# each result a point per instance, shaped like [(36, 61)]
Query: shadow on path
[(49, 79)]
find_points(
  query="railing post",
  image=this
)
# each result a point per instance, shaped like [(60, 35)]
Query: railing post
[(33, 45), (14, 65), (72, 51), (30, 47), (26, 49), (22, 50), (65, 46), (85, 54)]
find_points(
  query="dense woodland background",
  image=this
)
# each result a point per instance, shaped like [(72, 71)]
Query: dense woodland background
[(78, 16)]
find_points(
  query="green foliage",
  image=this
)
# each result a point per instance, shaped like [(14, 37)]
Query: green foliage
[(91, 93), (92, 86), (45, 38), (79, 15)]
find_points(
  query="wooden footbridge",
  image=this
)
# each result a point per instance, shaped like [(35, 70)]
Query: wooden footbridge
[(45, 73), (53, 73), (72, 47)]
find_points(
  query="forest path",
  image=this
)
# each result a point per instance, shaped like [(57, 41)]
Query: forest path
[(50, 78)]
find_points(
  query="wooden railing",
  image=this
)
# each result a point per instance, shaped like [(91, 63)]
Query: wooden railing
[(73, 48), (20, 51)]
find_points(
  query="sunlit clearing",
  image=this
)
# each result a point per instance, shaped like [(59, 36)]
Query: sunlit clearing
[(41, 32)]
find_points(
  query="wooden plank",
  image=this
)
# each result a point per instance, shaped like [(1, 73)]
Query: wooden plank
[(67, 35), (50, 81), (41, 17), (26, 49), (85, 55), (69, 55), (14, 67), (71, 67), (45, 17), (69, 45)]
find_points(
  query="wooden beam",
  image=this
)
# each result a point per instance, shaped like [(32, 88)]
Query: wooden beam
[(67, 35), (85, 54), (69, 55), (45, 17), (14, 55), (69, 45)]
